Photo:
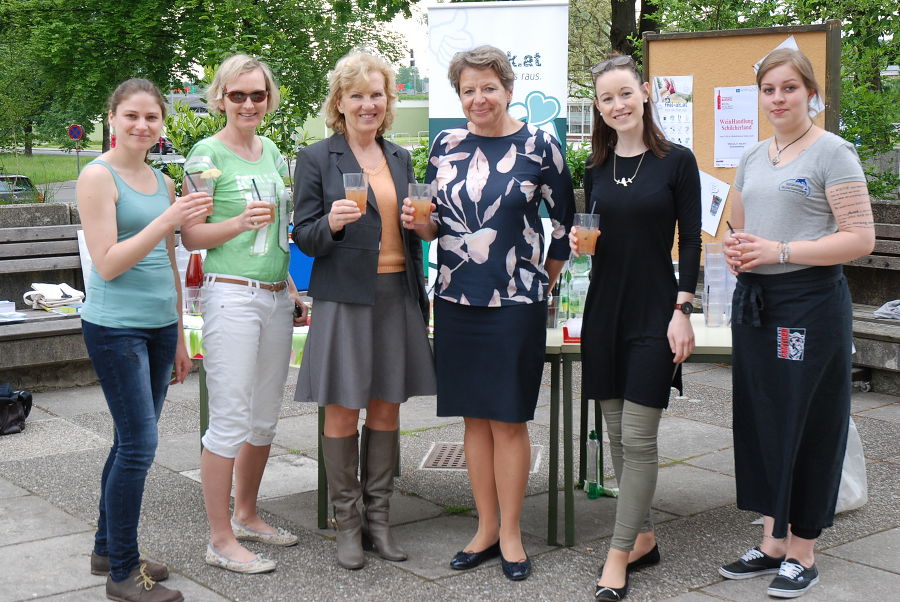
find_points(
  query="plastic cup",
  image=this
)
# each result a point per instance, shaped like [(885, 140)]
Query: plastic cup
[(356, 188), (190, 300), (738, 231), (420, 196), (587, 229), (197, 184)]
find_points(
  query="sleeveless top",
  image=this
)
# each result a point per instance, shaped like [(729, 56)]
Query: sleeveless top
[(143, 296)]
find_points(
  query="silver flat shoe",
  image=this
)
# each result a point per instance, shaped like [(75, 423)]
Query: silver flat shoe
[(259, 564), (281, 537)]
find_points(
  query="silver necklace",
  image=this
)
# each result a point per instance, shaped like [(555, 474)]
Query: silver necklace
[(626, 181), (777, 158)]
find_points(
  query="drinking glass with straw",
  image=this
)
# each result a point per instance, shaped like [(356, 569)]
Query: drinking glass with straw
[(261, 240), (203, 186)]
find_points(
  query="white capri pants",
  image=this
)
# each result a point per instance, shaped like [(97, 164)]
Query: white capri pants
[(247, 344)]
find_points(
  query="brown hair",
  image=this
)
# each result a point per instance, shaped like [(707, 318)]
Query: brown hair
[(234, 66), (794, 58), (133, 86), (482, 57), (603, 137), (351, 70)]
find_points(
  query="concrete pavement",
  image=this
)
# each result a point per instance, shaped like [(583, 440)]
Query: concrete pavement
[(49, 479)]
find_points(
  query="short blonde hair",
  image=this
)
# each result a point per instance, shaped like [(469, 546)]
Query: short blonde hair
[(353, 69), (230, 69), (482, 57), (794, 58)]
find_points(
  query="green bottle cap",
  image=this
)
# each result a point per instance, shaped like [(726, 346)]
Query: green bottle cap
[(593, 435)]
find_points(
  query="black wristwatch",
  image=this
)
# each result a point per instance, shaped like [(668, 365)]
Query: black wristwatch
[(686, 308)]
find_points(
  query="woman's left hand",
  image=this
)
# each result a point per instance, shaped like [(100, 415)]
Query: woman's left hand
[(304, 310), (756, 250), (681, 337), (183, 364)]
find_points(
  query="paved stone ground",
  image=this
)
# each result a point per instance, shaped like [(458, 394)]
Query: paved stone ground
[(49, 478)]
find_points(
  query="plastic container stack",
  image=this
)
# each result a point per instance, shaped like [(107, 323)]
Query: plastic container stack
[(718, 286)]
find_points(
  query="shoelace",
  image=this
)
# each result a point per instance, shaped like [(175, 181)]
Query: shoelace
[(790, 570), (752, 554), (144, 580)]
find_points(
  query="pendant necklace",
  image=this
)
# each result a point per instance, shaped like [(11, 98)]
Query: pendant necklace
[(626, 181), (777, 158)]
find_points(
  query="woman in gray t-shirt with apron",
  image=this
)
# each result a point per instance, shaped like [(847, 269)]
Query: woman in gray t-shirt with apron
[(802, 199)]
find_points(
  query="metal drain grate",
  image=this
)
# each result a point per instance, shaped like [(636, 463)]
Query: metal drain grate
[(451, 456)]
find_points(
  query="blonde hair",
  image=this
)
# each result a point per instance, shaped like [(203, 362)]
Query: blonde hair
[(351, 70), (794, 58), (482, 57), (231, 68)]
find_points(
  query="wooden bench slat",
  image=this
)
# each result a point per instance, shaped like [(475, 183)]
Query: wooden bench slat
[(31, 329), (887, 247), (36, 233), (884, 262), (40, 264), (33, 249), (887, 231)]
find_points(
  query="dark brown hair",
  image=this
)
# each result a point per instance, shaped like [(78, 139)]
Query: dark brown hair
[(133, 86), (603, 137)]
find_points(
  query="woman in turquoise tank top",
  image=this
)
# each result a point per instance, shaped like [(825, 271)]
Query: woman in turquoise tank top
[(131, 323)]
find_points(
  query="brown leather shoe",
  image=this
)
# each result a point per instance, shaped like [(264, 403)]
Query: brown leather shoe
[(100, 566), (139, 587)]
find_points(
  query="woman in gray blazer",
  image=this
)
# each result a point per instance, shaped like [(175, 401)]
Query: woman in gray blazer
[(367, 346)]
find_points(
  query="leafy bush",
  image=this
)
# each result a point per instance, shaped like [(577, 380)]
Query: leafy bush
[(576, 159)]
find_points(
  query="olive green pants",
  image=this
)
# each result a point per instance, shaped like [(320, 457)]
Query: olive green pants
[(633, 431)]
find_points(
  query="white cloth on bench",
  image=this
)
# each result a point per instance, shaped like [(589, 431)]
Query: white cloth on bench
[(890, 310)]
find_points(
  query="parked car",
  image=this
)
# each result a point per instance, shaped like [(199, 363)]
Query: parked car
[(16, 188), (162, 146)]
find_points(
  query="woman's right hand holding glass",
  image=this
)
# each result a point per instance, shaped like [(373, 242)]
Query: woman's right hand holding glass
[(733, 251), (190, 208), (573, 242), (256, 215), (343, 212)]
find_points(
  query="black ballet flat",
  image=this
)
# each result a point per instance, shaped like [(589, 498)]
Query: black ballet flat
[(516, 571), (650, 558), (469, 560), (611, 594)]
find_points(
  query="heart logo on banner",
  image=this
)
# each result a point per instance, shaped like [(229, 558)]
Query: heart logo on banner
[(539, 107)]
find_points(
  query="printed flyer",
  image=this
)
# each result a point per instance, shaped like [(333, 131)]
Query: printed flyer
[(673, 98), (736, 123)]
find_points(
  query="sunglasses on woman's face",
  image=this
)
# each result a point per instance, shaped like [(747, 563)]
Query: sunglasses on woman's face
[(241, 97)]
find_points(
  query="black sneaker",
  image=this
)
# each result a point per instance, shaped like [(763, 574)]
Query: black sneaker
[(753, 563), (793, 579)]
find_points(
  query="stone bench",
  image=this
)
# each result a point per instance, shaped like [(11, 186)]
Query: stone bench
[(877, 343), (46, 350)]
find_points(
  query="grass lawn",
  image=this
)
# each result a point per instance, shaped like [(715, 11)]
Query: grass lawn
[(42, 168)]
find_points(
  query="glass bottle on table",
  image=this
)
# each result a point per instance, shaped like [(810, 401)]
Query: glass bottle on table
[(193, 280)]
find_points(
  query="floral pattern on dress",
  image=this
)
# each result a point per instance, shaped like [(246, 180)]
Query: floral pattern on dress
[(488, 193)]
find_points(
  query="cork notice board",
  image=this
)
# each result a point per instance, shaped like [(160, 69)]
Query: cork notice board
[(726, 58)]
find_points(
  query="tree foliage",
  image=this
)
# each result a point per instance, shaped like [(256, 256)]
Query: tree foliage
[(589, 23), (79, 50)]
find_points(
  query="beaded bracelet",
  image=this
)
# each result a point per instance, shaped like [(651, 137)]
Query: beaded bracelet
[(784, 252)]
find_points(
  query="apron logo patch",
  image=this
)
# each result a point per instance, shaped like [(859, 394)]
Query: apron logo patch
[(791, 342), (796, 185)]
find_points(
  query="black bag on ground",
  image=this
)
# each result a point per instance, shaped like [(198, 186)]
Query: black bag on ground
[(14, 409)]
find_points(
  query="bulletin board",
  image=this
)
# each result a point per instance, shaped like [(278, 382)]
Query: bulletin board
[(726, 58)]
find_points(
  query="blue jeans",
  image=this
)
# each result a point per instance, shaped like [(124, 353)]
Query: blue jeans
[(134, 366)]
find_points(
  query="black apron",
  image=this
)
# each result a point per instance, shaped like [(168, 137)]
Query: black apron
[(791, 338)]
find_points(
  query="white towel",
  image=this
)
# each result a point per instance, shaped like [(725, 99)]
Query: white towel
[(890, 310)]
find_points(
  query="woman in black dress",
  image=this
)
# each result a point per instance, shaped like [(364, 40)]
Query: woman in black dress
[(637, 326)]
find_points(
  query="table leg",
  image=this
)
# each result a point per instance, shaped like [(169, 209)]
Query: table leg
[(322, 510), (553, 496), (204, 404), (582, 443), (567, 452)]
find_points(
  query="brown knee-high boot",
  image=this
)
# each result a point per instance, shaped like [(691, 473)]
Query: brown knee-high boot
[(344, 491), (378, 457)]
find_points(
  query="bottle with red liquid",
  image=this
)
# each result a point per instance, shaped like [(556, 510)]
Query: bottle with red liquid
[(193, 279)]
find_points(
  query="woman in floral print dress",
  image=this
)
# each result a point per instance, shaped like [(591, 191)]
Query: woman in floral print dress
[(490, 177)]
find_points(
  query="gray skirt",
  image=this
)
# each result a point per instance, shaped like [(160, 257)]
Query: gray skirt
[(357, 352)]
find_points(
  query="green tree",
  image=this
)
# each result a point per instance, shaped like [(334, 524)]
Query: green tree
[(83, 48), (589, 32)]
